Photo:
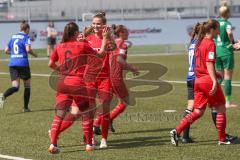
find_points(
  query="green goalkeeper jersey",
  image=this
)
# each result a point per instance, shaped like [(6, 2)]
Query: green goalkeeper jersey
[(223, 44)]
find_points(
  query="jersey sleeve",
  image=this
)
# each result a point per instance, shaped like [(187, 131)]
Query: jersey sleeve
[(123, 49), (88, 38), (54, 55), (228, 25), (88, 49), (211, 53), (27, 41), (9, 44)]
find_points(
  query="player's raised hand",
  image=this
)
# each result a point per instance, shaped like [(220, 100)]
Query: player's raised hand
[(106, 33)]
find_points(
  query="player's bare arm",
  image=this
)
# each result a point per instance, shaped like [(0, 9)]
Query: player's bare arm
[(53, 65), (127, 66), (212, 73), (30, 51), (230, 35)]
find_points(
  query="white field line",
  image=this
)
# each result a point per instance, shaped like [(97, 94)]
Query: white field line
[(12, 158), (234, 83), (129, 55)]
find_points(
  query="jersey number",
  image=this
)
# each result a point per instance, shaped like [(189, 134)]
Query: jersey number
[(68, 61), (190, 60), (15, 47)]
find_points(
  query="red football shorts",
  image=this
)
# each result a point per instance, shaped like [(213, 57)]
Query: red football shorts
[(71, 91), (202, 98), (100, 86)]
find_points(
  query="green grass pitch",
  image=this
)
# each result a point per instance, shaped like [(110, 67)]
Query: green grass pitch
[(142, 132)]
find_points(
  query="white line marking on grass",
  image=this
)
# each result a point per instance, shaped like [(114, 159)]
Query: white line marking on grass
[(234, 83), (129, 55), (169, 111), (31, 59), (33, 74), (12, 158)]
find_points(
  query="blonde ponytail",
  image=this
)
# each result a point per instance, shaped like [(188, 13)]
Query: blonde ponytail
[(224, 9)]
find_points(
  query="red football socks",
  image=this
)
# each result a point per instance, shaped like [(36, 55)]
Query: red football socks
[(105, 119), (87, 127), (117, 110), (187, 121), (55, 129), (67, 122), (221, 125)]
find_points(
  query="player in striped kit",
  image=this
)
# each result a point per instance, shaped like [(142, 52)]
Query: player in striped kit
[(190, 79)]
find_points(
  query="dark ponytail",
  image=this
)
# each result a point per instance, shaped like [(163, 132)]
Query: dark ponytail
[(205, 28), (69, 31), (201, 33), (117, 29), (195, 31)]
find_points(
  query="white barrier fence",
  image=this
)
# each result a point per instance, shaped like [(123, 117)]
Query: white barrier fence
[(142, 32)]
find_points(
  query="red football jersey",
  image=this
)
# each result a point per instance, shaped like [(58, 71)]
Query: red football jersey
[(72, 57), (97, 67), (116, 69), (206, 52)]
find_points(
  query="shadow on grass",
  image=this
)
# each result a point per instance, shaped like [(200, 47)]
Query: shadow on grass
[(126, 143), (73, 145), (32, 111), (134, 142), (207, 143), (73, 151), (144, 131), (137, 142)]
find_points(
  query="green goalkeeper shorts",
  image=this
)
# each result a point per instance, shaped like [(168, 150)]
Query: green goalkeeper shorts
[(225, 62)]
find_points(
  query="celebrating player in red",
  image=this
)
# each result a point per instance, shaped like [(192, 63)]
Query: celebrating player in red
[(207, 91), (97, 76), (69, 58), (117, 65)]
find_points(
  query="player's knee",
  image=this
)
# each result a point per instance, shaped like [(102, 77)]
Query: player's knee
[(199, 112), (221, 109), (61, 112), (186, 112), (27, 86)]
